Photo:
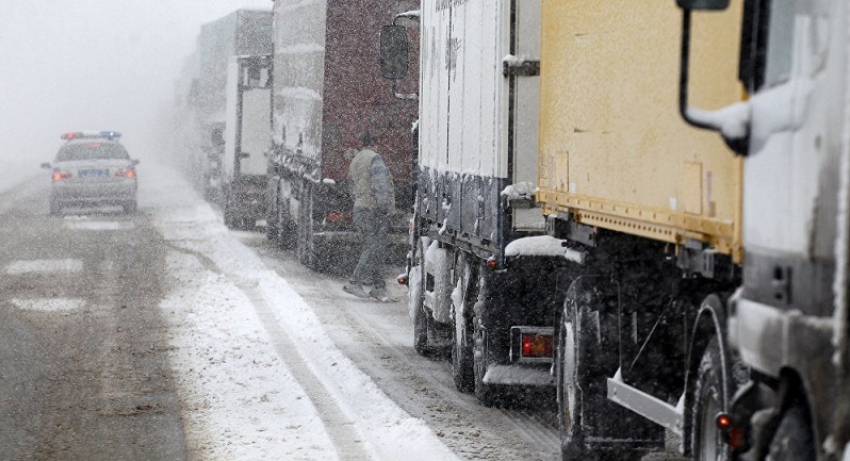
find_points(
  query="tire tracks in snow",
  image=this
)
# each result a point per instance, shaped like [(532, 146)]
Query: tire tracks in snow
[(341, 429), (347, 440), (421, 386)]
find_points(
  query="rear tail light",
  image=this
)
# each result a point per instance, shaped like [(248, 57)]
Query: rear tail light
[(338, 217), (126, 173), (537, 345), (61, 174), (403, 279), (532, 344), (735, 435)]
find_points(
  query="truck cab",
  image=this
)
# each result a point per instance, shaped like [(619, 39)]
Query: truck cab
[(787, 323)]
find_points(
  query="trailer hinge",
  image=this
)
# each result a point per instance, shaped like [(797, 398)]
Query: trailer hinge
[(520, 68)]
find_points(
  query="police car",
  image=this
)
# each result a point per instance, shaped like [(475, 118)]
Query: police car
[(92, 169)]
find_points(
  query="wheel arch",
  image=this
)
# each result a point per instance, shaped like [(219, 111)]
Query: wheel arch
[(710, 323)]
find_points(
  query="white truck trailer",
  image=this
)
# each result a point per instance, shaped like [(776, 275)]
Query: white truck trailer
[(473, 278)]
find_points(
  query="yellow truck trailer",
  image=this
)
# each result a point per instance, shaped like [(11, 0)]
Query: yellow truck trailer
[(649, 210), (614, 152)]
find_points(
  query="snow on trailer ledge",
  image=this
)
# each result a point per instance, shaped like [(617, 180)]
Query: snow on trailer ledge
[(539, 245)]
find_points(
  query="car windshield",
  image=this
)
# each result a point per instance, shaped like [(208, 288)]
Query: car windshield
[(92, 151)]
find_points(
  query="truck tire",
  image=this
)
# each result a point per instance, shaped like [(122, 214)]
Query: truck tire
[(485, 393), (462, 346), (420, 329), (272, 226), (592, 427), (793, 438), (55, 207), (304, 241), (709, 399), (417, 304), (287, 232), (229, 218)]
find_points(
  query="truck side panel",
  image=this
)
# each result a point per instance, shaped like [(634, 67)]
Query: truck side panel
[(357, 98), (299, 68), (614, 150), (464, 116)]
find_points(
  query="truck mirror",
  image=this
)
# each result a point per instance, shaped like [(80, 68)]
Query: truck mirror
[(713, 5), (733, 121), (394, 48)]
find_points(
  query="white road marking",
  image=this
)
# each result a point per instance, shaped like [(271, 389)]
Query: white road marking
[(49, 304), (45, 266), (97, 225)]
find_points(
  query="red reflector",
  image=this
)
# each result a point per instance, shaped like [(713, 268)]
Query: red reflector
[(338, 216), (724, 421), (491, 263), (737, 438), (402, 280), (537, 345)]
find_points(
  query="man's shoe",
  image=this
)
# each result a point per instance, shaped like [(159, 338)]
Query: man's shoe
[(355, 289), (381, 295)]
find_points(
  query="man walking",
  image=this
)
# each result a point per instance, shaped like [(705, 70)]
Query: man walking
[(374, 203)]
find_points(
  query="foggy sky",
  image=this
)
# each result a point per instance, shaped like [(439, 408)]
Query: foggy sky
[(71, 65)]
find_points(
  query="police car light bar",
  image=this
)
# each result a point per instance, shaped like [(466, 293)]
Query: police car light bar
[(110, 135)]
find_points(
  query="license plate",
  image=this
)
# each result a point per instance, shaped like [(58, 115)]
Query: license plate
[(93, 173)]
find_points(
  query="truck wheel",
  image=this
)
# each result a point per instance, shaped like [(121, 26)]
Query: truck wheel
[(793, 439), (466, 293), (271, 230), (417, 303), (55, 207), (304, 242), (709, 399), (307, 250), (568, 394), (286, 231), (592, 427), (485, 393), (420, 328), (229, 219)]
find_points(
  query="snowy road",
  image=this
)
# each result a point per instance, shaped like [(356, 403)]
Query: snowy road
[(272, 361)]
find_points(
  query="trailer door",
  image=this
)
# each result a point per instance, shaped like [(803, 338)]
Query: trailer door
[(524, 105)]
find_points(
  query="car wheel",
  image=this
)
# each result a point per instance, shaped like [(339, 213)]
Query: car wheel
[(130, 207)]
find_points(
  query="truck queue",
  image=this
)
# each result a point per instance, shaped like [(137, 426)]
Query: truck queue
[(638, 211)]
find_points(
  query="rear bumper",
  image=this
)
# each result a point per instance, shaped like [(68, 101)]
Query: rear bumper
[(520, 375), (100, 193)]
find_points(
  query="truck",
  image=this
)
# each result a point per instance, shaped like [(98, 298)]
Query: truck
[(201, 94), (475, 271), (246, 142), (707, 312), (326, 93)]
